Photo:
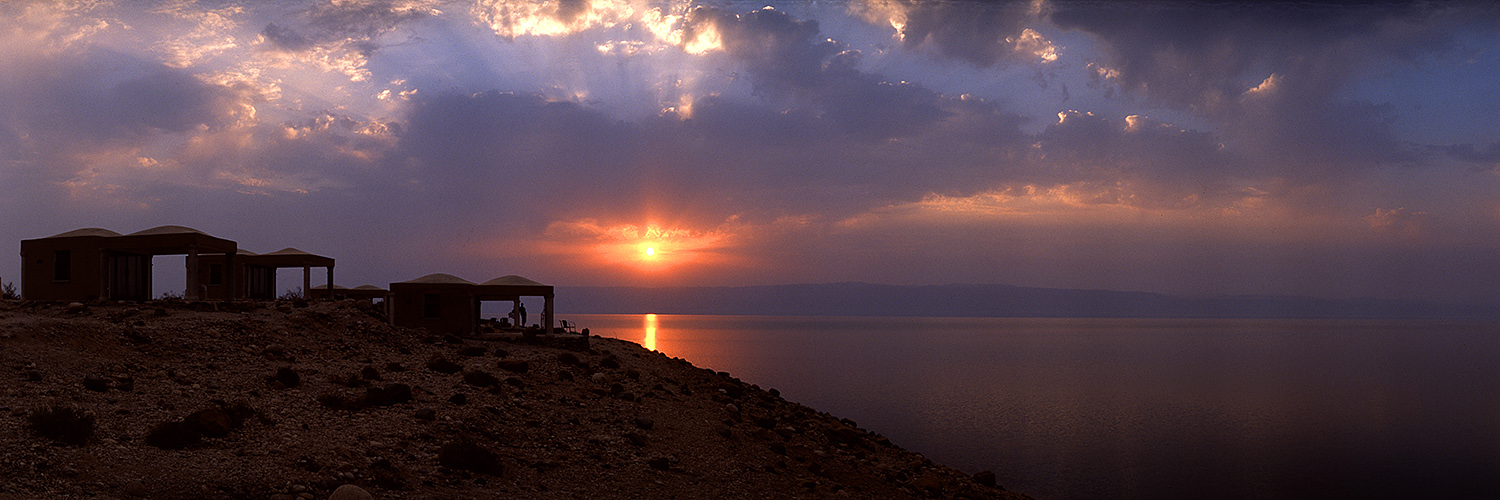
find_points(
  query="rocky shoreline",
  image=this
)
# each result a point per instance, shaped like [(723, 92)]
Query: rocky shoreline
[(321, 400)]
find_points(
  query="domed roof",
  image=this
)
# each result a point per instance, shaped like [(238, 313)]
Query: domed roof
[(168, 230), (441, 279), (88, 231), (511, 280)]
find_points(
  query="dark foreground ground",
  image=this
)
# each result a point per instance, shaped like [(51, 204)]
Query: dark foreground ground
[(276, 401)]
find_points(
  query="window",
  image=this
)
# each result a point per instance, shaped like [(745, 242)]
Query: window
[(62, 265), (216, 274), (432, 305)]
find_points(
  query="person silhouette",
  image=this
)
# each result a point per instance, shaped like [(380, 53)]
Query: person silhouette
[(523, 315)]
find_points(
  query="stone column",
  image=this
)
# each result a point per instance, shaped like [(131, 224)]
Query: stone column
[(547, 313), (191, 293)]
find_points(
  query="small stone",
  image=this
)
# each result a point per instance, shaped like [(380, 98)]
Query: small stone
[(479, 378), (136, 489), (287, 376), (425, 414), (599, 378), (986, 478), (350, 492), (441, 365), (369, 373), (472, 351), (644, 423), (464, 455), (459, 399), (514, 365), (636, 438), (660, 463), (95, 383)]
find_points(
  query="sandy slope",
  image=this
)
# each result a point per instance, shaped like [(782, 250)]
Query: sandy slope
[(186, 403)]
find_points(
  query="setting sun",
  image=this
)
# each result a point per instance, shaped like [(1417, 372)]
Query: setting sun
[(650, 251)]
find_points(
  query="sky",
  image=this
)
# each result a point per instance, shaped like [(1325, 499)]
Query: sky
[(1301, 148)]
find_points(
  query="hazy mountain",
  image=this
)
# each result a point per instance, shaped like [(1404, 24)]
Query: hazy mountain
[(865, 299)]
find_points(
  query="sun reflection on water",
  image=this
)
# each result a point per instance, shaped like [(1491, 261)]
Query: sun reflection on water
[(650, 327)]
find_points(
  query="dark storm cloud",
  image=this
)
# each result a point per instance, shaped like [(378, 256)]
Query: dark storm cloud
[(1298, 58), (363, 19), (785, 56), (1164, 163), (287, 39), (524, 145), (1205, 55), (976, 32), (106, 98)]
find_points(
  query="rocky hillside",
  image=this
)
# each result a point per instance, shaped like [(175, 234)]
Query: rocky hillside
[(326, 400)]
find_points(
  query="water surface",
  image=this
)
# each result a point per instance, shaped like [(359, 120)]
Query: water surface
[(1132, 408)]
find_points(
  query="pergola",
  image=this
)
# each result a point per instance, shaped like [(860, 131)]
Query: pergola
[(294, 258), (512, 288), (362, 292), (444, 303), (98, 263)]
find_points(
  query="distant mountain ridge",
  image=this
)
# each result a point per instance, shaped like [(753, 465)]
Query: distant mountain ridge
[(958, 300)]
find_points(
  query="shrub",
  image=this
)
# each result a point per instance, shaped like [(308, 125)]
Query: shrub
[(291, 294), (8, 292), (63, 424)]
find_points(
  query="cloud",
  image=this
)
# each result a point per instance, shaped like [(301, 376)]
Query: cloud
[(981, 33), (1486, 158), (1408, 224)]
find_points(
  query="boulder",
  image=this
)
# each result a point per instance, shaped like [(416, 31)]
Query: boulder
[(350, 492)]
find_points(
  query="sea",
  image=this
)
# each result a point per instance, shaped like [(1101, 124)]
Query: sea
[(1136, 408)]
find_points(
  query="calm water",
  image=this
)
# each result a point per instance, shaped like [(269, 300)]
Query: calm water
[(1106, 408)]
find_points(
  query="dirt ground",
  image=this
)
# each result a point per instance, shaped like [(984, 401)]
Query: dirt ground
[(289, 400)]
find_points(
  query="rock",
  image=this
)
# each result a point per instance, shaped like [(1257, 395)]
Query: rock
[(636, 438), (472, 351), (350, 492), (599, 378), (459, 399), (452, 339), (425, 414), (659, 463), (77, 307), (287, 376), (391, 394), (610, 362), (135, 488), (644, 423), (514, 365), (369, 373), (394, 367), (441, 365), (479, 378), (986, 478), (173, 435), (464, 455), (95, 383), (567, 358), (212, 422)]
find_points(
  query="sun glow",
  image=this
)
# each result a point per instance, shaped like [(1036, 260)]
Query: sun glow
[(649, 341)]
